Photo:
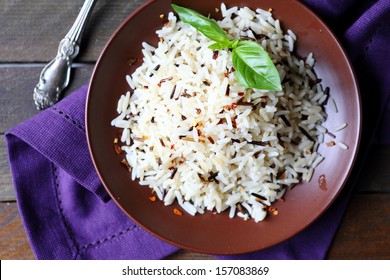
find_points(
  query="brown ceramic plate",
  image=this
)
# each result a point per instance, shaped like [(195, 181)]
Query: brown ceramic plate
[(210, 233)]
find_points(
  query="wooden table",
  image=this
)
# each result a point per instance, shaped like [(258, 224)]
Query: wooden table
[(29, 36)]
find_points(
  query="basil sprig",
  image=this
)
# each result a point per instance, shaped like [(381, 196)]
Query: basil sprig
[(254, 68)]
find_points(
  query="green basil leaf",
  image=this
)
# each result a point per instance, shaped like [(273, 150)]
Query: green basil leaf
[(254, 67), (233, 44), (206, 26), (218, 46)]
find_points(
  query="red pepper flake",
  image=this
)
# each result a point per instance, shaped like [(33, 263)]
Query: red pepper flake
[(140, 59), (273, 211), (185, 94), (152, 198), (198, 111), (330, 144), (177, 212), (162, 142), (241, 93), (234, 105), (322, 182), (215, 54), (118, 149), (172, 146)]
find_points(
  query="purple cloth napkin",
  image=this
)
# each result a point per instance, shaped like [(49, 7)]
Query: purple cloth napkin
[(68, 215)]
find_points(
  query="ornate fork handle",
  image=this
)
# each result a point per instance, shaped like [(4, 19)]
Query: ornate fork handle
[(56, 74)]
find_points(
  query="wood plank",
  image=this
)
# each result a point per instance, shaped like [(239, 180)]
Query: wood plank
[(13, 240), (27, 33), (365, 230), (363, 234), (189, 255), (7, 192), (17, 85)]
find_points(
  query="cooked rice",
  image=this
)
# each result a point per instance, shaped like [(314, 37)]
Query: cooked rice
[(194, 135), (339, 127)]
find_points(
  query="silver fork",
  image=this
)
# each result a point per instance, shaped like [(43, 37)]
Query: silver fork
[(56, 74)]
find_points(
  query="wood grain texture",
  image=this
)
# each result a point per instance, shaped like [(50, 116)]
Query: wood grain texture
[(27, 32), (13, 240), (365, 230), (7, 192), (16, 91)]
